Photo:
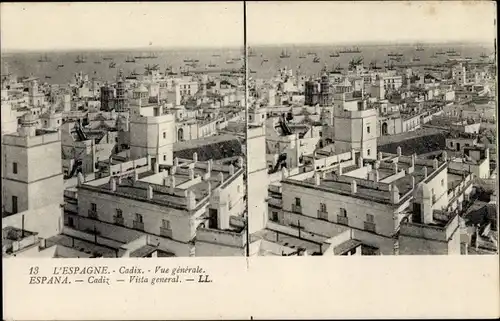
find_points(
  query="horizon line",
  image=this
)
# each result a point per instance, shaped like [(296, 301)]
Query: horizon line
[(211, 47)]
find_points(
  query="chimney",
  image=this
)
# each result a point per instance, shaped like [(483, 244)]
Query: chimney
[(377, 164), (150, 192), (209, 188), (379, 155), (435, 163), (221, 178), (195, 157), (398, 150), (445, 156), (231, 170), (340, 170), (425, 171), (412, 182), (191, 200), (209, 166), (176, 161), (239, 161), (173, 170), (80, 179), (394, 194), (395, 167), (354, 187), (136, 176), (487, 153), (360, 161), (191, 173), (112, 184), (317, 179), (284, 172), (166, 181), (157, 167), (172, 184), (119, 180)]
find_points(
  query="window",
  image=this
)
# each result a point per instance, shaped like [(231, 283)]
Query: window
[(164, 135), (14, 168), (93, 207), (322, 207), (442, 182), (138, 218), (297, 201), (343, 212), (368, 152), (166, 224), (368, 129), (370, 218), (119, 213), (274, 216), (164, 158)]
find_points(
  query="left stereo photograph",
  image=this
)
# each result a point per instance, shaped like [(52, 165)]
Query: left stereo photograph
[(124, 131)]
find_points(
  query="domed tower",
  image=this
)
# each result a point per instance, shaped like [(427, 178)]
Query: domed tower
[(28, 126), (325, 98), (120, 92)]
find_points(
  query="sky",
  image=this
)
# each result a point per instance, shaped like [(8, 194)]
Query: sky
[(355, 22), (56, 26), (60, 26)]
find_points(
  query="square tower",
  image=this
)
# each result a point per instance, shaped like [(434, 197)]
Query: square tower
[(31, 168)]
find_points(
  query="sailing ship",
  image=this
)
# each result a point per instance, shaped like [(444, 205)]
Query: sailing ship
[(483, 55), (189, 60), (455, 54), (419, 48), (311, 53), (350, 50), (107, 58), (251, 53), (215, 55), (302, 57), (284, 54), (130, 59), (48, 77), (80, 59), (212, 65), (97, 62), (60, 66), (44, 58), (440, 52), (265, 60), (416, 59), (316, 60), (229, 62), (112, 65), (450, 51), (395, 54), (334, 54)]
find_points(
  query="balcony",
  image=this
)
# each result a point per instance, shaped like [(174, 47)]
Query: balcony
[(342, 220), (118, 220), (297, 208), (93, 214), (323, 215), (369, 227), (165, 232), (138, 225)]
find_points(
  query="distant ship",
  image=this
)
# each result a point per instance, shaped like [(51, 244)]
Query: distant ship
[(212, 65), (450, 51), (416, 59), (190, 60), (420, 48), (302, 57), (97, 62), (483, 55), (316, 59), (48, 77), (112, 64), (395, 54), (335, 54), (468, 58), (80, 59), (350, 50), (440, 52), (229, 62), (251, 53), (284, 54), (60, 66), (134, 73), (434, 56), (311, 53), (130, 59), (265, 60), (44, 58), (215, 55), (454, 54), (148, 56), (107, 58)]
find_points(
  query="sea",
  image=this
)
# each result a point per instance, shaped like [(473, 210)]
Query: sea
[(265, 62)]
